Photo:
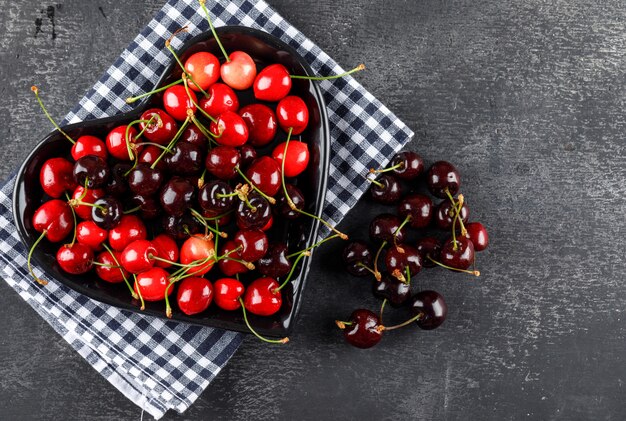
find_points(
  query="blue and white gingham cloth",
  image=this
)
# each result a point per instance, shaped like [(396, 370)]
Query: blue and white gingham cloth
[(158, 364)]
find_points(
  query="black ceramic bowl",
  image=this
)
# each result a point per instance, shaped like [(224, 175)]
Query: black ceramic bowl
[(299, 234)]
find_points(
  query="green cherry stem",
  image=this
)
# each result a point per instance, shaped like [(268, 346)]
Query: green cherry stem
[(255, 188), (349, 72), (471, 272), (208, 18), (154, 91), (143, 303), (382, 309), (408, 322), (130, 288), (129, 148), (173, 141), (376, 271), (342, 325), (45, 111), (203, 221), (75, 226), (207, 115), (254, 332), (293, 268), (319, 243), (30, 255), (382, 170)]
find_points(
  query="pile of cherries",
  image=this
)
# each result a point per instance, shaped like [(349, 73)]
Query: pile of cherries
[(403, 185), (164, 199)]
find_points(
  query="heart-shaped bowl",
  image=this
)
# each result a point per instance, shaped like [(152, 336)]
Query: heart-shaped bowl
[(298, 234)]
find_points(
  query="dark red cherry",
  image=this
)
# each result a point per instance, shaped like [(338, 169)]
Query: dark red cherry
[(264, 173), (91, 235), (137, 256), (216, 196), (162, 129), (129, 229), (261, 122), (145, 180), (393, 290), (262, 298), (256, 217), (222, 162), (443, 176), (363, 329), (228, 291), (75, 259), (229, 129), (383, 228), (275, 263), (248, 155), (253, 243), (89, 145), (357, 257), (296, 157), (293, 114), (386, 189), (152, 284), (231, 267), (460, 256), (282, 207), (176, 102), (477, 234), (196, 250), (91, 171), (400, 257), (117, 185), (55, 218), (192, 134), (431, 306), (272, 83), (177, 196), (407, 165), (85, 211), (239, 71), (420, 208), (181, 227), (194, 295), (221, 99), (446, 212), (117, 144), (204, 69), (56, 177), (107, 213), (185, 159), (428, 247), (149, 206), (109, 270), (166, 249)]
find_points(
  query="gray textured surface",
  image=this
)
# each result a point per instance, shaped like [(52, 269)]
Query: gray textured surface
[(527, 98)]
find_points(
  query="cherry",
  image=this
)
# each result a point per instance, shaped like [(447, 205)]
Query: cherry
[(248, 155), (264, 173), (54, 220), (91, 235), (145, 180), (261, 122), (446, 213), (262, 297), (399, 258), (192, 134), (137, 256), (107, 212), (117, 185), (443, 178), (273, 83), (149, 156), (253, 243), (357, 258), (231, 266), (167, 249), (221, 99), (177, 196), (89, 145), (239, 71), (419, 207), (293, 114), (428, 247), (161, 130), (195, 250), (407, 165), (362, 330), (477, 234), (385, 227), (185, 159), (216, 196), (176, 102), (255, 214), (75, 259), (389, 288), (91, 171), (149, 207), (385, 189), (222, 162), (283, 208), (108, 268), (275, 263), (229, 129), (56, 177), (129, 229), (194, 295), (84, 211), (204, 69), (296, 157), (457, 254), (117, 146), (180, 227), (228, 291), (152, 284), (432, 308)]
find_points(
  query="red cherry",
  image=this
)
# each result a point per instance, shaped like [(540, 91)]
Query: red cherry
[(85, 211), (116, 142), (54, 217), (150, 154), (110, 272), (261, 123), (152, 283), (75, 259), (228, 291), (262, 297), (204, 69), (459, 256), (91, 235), (176, 102), (272, 83), (89, 145), (292, 113), (477, 234), (239, 72), (166, 249), (222, 162), (162, 129), (253, 243), (264, 173), (230, 129), (221, 98), (228, 266), (56, 177), (297, 157), (194, 295), (129, 229), (196, 249), (137, 256)]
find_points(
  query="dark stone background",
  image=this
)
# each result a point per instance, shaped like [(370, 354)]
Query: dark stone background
[(527, 98)]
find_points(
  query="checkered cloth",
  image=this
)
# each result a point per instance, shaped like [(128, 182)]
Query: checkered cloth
[(163, 365)]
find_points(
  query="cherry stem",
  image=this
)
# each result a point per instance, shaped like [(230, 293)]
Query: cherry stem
[(168, 308), (154, 144), (377, 183), (349, 72), (105, 265), (254, 332), (215, 218), (198, 107), (408, 275), (471, 272), (133, 210), (207, 133), (293, 268), (30, 255), (75, 226), (45, 111), (370, 270), (255, 188), (172, 142), (382, 309), (130, 288), (76, 202), (397, 231), (185, 72), (376, 271), (408, 322), (132, 99), (201, 219), (398, 165), (129, 148), (319, 243), (342, 325), (242, 194), (208, 18), (143, 303)]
